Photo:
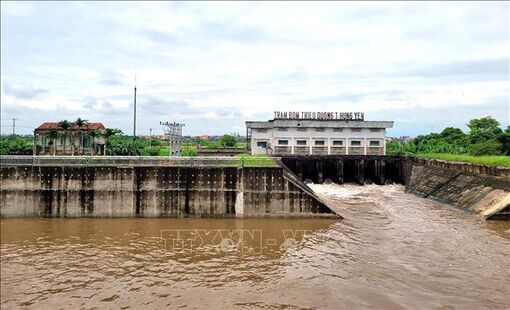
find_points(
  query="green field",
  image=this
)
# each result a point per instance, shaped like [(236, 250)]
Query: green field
[(478, 160), (257, 161)]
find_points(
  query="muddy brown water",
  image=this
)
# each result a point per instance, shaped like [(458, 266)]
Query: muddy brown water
[(393, 250)]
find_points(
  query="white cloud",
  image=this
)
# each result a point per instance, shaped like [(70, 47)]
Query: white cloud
[(224, 62)]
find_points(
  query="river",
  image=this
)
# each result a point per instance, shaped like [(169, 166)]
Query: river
[(393, 250)]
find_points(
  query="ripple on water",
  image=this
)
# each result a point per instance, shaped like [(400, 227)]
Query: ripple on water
[(392, 250)]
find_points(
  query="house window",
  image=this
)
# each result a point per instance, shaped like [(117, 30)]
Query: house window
[(62, 141), (338, 129), (319, 129), (374, 143), (355, 142), (86, 142), (301, 142), (261, 130), (319, 142), (283, 142), (262, 144), (356, 129), (338, 142), (301, 129), (282, 129)]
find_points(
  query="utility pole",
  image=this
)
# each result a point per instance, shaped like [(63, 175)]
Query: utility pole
[(150, 137), (174, 134), (134, 121), (13, 126)]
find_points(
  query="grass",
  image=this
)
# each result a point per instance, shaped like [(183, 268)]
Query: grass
[(257, 161), (164, 151), (478, 160)]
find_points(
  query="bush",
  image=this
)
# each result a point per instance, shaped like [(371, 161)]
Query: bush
[(152, 150), (488, 147)]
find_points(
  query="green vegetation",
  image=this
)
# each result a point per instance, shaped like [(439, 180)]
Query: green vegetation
[(485, 143), (478, 160), (16, 145), (121, 145), (257, 161)]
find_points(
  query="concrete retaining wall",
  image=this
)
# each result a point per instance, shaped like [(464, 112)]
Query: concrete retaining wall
[(475, 188), (130, 190)]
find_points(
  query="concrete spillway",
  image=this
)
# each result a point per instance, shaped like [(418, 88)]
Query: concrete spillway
[(349, 169), (151, 187), (484, 190)]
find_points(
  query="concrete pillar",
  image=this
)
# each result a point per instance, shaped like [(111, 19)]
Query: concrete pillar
[(340, 171), (360, 171), (364, 146), (346, 146), (34, 148), (320, 175)]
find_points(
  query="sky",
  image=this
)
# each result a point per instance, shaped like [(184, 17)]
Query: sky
[(213, 66)]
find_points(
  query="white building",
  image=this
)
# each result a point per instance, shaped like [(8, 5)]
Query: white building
[(335, 134)]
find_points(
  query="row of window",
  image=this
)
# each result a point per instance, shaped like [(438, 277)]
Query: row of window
[(321, 129), (63, 141), (319, 143)]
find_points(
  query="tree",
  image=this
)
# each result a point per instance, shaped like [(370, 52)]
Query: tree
[(65, 125), (95, 134), (504, 139), (52, 135), (394, 147), (483, 129), (488, 147), (111, 132), (228, 141), (80, 123)]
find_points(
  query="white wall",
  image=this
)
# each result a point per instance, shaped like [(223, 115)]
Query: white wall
[(272, 135)]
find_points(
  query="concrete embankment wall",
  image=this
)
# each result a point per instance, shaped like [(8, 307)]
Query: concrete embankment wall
[(481, 189), (127, 187)]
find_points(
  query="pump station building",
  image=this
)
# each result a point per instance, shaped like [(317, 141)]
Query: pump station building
[(317, 133)]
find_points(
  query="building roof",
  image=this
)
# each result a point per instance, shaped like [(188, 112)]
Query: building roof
[(54, 126), (319, 123)]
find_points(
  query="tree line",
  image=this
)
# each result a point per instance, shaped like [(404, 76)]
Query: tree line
[(485, 137), (116, 142)]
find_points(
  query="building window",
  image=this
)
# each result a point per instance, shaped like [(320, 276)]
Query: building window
[(261, 130), (262, 144), (355, 142), (62, 141), (319, 129), (338, 129), (375, 129), (338, 142), (283, 142), (301, 142), (301, 129), (356, 129), (86, 142), (374, 143), (319, 142), (282, 129)]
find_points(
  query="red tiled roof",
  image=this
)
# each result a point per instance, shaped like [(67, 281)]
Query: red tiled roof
[(54, 126)]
